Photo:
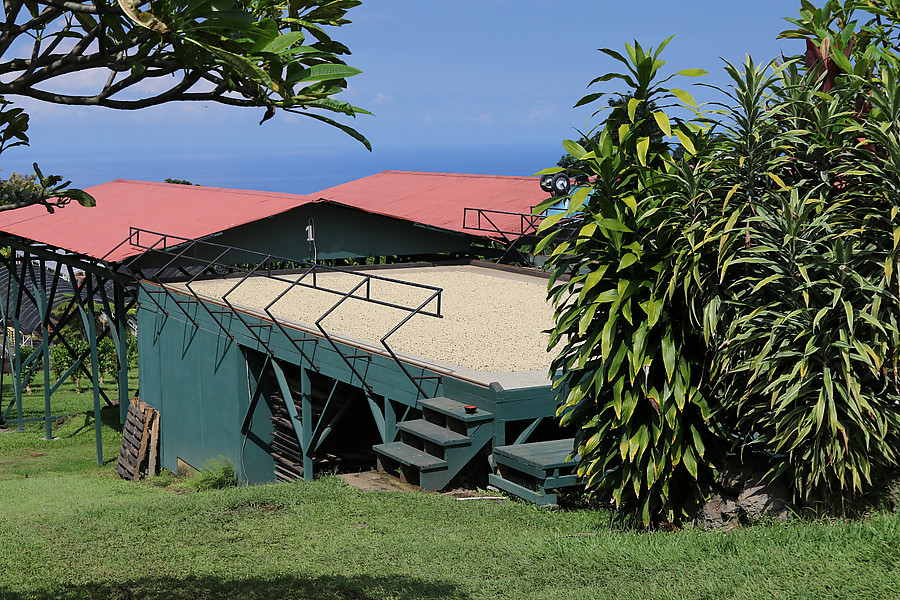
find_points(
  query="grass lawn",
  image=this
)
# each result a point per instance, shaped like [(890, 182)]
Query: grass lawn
[(71, 529)]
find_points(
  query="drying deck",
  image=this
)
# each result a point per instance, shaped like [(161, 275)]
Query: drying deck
[(487, 353), (493, 321)]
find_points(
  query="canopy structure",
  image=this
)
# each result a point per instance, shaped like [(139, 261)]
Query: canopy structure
[(433, 200), (392, 213)]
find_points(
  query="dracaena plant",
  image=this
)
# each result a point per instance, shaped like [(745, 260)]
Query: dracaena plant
[(806, 329), (744, 299), (630, 366)]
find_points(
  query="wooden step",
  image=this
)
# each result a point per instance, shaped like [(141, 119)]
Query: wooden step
[(534, 471), (454, 409), (413, 457), (537, 456), (433, 433)]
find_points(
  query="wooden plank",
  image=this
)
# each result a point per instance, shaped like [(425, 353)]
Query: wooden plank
[(537, 497), (403, 453), (132, 437), (433, 433), (540, 455), (286, 450), (154, 445), (135, 420), (145, 440)]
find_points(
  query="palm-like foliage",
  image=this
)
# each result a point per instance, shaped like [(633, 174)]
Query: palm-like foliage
[(632, 369), (744, 299)]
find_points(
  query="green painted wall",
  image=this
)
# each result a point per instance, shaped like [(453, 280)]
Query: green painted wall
[(198, 380), (340, 232)]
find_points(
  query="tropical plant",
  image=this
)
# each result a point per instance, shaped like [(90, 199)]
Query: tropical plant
[(217, 474), (250, 53), (631, 368), (61, 359), (108, 357), (131, 351), (751, 286)]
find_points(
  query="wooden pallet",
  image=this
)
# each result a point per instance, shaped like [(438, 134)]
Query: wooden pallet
[(286, 450), (138, 454)]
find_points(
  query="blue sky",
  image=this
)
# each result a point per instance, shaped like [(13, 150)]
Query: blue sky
[(471, 86)]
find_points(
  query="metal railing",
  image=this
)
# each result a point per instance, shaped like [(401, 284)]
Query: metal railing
[(483, 219), (245, 264)]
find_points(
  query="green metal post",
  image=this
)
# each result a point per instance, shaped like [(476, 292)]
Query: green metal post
[(41, 296), (378, 415), (390, 420), (7, 355), (296, 420), (17, 341), (121, 324), (90, 328)]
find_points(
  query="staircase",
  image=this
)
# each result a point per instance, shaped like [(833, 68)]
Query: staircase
[(535, 471), (434, 449)]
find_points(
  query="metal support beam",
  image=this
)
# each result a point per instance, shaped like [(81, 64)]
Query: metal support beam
[(86, 308), (44, 311)]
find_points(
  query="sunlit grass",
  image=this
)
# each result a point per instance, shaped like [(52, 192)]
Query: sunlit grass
[(71, 529)]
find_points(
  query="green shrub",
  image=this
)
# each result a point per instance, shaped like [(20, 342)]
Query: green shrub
[(217, 474), (131, 349), (62, 360), (108, 357), (630, 360), (742, 299)]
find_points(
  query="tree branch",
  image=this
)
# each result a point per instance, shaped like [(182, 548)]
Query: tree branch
[(79, 7)]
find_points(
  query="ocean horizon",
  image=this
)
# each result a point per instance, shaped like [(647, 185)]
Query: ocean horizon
[(296, 172)]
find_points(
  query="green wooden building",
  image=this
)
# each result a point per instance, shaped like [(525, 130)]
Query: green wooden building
[(271, 369)]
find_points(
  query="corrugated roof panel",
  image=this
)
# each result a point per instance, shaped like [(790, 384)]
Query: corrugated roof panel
[(434, 199), (180, 210), (439, 199)]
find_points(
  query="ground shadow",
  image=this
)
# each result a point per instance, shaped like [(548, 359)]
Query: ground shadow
[(295, 587), (109, 416)]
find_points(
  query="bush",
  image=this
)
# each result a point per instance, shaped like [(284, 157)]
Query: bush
[(131, 351), (217, 474), (107, 356), (740, 300), (24, 352), (61, 360)]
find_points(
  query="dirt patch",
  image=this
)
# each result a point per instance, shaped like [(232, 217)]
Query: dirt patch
[(372, 481), (36, 455)]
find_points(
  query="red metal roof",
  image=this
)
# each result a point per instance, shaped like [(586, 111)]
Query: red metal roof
[(179, 210), (439, 199), (435, 199)]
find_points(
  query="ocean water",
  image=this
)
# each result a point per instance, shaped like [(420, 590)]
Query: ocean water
[(298, 172)]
